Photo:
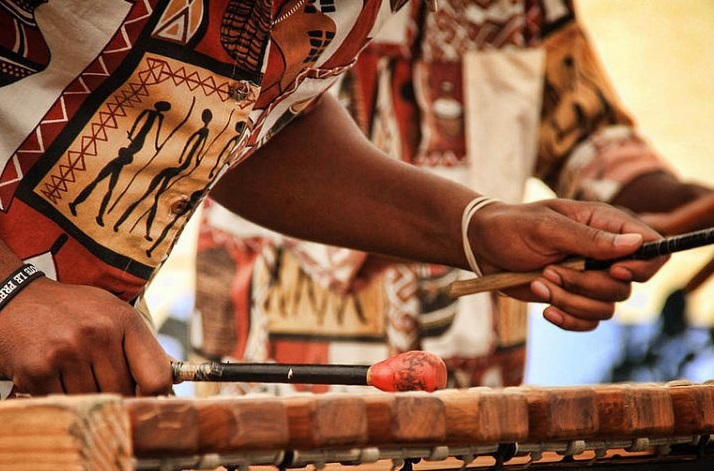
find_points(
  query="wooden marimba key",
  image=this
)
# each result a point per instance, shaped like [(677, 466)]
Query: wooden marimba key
[(560, 427)]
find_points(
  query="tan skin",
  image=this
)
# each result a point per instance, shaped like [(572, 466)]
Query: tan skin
[(328, 183)]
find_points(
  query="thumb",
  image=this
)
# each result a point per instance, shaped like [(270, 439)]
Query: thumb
[(149, 364), (600, 244)]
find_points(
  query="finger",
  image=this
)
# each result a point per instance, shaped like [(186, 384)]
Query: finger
[(522, 293), (567, 322), (78, 379), (639, 271), (593, 284), (573, 304), (596, 243), (39, 385), (149, 365), (113, 376)]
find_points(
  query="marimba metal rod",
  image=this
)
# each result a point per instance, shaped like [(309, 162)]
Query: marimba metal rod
[(647, 251)]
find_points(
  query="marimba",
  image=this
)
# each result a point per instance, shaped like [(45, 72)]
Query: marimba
[(637, 425)]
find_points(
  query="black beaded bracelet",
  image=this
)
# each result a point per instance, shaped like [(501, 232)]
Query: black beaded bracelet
[(14, 283)]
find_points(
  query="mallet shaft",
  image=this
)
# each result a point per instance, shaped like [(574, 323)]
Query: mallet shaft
[(270, 373)]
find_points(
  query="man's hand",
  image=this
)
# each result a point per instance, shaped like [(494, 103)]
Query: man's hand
[(532, 236), (59, 338)]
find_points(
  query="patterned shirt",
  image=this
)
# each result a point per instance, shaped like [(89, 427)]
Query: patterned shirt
[(117, 116)]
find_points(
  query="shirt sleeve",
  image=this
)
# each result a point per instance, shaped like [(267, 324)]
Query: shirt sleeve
[(588, 145)]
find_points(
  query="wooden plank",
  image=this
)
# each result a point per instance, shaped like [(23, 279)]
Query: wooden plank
[(405, 418), (244, 423), (326, 420), (484, 416), (163, 427), (693, 406), (634, 411), (82, 433), (561, 413)]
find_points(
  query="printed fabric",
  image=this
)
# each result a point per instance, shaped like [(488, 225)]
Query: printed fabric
[(118, 116), (293, 301)]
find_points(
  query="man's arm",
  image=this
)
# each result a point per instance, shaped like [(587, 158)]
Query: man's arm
[(320, 179), (667, 203)]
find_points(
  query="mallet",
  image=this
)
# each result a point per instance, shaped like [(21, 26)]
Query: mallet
[(648, 250), (409, 371)]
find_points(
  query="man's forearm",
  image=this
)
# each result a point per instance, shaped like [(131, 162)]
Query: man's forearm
[(657, 192), (668, 204), (320, 179)]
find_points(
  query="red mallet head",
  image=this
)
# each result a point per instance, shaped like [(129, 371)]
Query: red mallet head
[(409, 371)]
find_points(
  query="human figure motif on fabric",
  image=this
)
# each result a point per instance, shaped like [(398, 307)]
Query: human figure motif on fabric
[(225, 153), (163, 180), (147, 119), (181, 210)]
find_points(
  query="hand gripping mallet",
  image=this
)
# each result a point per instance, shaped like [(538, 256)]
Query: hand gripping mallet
[(666, 246)]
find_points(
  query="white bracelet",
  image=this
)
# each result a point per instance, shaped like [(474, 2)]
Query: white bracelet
[(470, 209)]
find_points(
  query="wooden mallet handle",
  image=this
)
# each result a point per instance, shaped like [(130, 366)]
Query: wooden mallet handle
[(409, 371), (647, 251)]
